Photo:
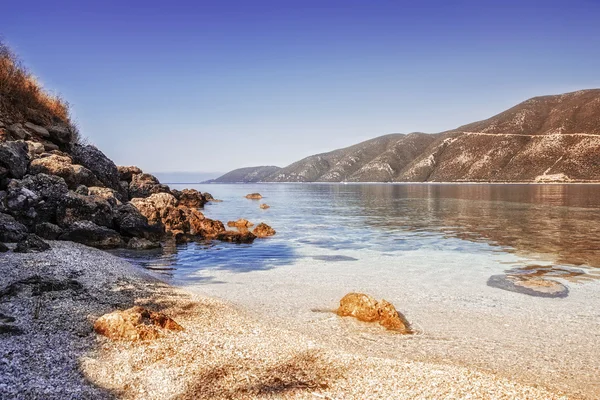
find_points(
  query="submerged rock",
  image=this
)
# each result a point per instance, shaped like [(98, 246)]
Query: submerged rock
[(236, 237), (254, 196), (133, 324), (532, 286), (142, 244), (365, 308), (263, 230), (264, 206)]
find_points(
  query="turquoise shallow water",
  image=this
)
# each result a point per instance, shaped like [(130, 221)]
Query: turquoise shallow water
[(548, 224)]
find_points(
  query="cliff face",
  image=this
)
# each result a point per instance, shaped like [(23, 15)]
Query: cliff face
[(544, 139)]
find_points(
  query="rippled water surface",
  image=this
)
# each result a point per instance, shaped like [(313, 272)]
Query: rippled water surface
[(555, 224)]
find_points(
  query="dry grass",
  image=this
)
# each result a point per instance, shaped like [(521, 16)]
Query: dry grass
[(23, 98)]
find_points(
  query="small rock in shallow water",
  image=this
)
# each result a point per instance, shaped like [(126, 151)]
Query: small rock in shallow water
[(264, 206), (263, 230), (532, 286), (142, 244), (365, 308), (254, 196), (240, 223)]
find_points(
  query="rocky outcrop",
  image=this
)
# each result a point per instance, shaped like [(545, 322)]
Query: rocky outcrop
[(73, 174), (75, 207), (254, 196), (365, 308), (102, 167), (263, 230), (134, 324)]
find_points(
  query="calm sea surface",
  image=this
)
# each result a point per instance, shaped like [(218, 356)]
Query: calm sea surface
[(452, 258)]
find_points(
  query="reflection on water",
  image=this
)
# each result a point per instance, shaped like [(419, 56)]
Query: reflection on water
[(554, 225)]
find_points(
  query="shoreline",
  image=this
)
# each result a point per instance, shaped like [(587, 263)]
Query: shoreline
[(224, 352)]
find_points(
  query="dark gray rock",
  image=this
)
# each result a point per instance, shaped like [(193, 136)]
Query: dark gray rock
[(14, 157), (61, 133), (38, 130), (75, 207), (130, 222), (31, 244), (48, 231), (18, 131), (126, 173), (3, 248), (90, 234), (10, 229), (35, 198), (538, 287), (95, 160), (82, 190)]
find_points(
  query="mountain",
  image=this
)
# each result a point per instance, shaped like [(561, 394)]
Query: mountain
[(543, 139), (247, 175)]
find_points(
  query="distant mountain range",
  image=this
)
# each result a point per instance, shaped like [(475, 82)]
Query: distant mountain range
[(544, 139)]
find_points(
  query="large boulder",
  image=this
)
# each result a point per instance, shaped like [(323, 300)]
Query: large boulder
[(10, 229), (35, 198), (144, 185), (207, 228), (263, 230), (14, 159), (189, 198), (75, 207), (136, 323), (95, 160), (61, 133), (365, 308), (156, 206), (90, 234), (73, 174), (48, 230), (130, 222), (126, 173), (31, 244)]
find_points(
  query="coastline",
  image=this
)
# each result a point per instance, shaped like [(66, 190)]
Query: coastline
[(224, 352)]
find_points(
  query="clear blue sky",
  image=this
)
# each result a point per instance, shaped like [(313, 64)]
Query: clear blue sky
[(216, 85)]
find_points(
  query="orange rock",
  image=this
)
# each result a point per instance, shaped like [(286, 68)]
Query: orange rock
[(135, 323), (240, 223), (264, 206), (365, 308), (263, 230), (254, 196), (360, 306)]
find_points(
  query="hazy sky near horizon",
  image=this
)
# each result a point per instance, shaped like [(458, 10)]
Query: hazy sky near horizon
[(217, 85)]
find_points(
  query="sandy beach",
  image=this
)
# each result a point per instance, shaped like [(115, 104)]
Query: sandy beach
[(224, 352)]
